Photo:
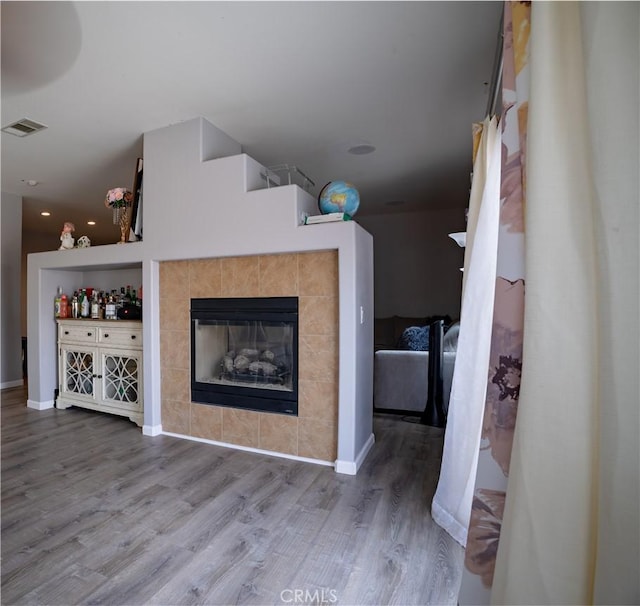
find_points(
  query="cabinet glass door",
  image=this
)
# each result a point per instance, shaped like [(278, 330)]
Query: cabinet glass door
[(78, 372), (120, 378)]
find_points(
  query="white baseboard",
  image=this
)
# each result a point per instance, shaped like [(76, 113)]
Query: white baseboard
[(351, 467), (10, 384), (151, 430), (40, 405), (270, 453)]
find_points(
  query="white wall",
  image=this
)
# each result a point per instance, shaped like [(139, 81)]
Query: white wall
[(32, 242), (416, 264), (198, 207), (10, 308)]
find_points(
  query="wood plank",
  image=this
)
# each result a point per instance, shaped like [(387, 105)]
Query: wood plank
[(94, 512)]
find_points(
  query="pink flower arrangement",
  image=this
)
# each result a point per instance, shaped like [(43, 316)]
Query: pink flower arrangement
[(120, 197)]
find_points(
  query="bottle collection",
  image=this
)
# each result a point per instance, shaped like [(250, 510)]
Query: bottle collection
[(99, 305)]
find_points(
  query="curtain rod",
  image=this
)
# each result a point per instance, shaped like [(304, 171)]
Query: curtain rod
[(496, 76)]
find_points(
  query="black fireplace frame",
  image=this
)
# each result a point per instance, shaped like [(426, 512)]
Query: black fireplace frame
[(238, 309)]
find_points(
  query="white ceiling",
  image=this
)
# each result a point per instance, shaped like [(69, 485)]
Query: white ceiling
[(292, 82)]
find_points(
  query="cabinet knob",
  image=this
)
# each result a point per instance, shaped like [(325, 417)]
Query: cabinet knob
[(88, 334), (133, 336), (66, 332), (106, 336)]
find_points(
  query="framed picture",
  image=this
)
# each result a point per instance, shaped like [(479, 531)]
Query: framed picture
[(136, 209)]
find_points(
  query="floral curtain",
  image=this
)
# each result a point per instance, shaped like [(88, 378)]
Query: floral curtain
[(571, 527), (565, 529), (505, 361)]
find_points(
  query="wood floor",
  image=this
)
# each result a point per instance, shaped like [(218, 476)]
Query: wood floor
[(93, 512)]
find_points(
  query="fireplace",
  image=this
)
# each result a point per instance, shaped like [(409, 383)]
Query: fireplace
[(244, 353)]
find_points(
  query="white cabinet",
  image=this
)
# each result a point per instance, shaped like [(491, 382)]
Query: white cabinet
[(100, 366)]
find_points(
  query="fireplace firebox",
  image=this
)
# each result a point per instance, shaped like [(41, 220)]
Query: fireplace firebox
[(244, 353)]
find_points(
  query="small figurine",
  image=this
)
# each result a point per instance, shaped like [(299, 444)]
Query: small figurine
[(65, 237), (83, 242)]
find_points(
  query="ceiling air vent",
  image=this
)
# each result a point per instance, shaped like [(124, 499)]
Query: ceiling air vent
[(23, 127)]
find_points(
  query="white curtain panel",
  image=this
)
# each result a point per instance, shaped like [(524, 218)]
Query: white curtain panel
[(570, 532), (611, 34), (451, 506)]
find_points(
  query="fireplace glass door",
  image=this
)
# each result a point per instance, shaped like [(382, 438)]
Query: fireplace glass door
[(244, 353)]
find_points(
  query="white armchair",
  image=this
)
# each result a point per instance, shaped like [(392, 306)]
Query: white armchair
[(401, 378)]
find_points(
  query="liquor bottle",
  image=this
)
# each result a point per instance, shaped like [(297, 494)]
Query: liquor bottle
[(80, 297), (64, 306), (56, 303), (85, 305), (110, 309), (127, 296), (75, 306), (95, 306)]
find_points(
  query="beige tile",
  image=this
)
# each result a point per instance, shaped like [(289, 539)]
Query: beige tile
[(279, 433), (175, 416), (204, 278), (175, 349), (241, 427), (240, 277), (318, 358), (278, 275), (174, 314), (318, 273), (174, 279), (318, 400), (206, 422), (318, 316), (176, 385), (315, 276), (317, 439)]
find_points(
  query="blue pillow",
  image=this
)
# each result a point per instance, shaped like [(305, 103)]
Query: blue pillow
[(414, 338)]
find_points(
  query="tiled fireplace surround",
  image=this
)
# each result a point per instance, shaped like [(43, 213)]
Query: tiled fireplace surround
[(313, 277)]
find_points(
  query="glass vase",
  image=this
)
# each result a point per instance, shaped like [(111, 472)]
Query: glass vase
[(124, 219)]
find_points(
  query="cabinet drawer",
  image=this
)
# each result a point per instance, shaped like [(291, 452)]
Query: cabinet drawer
[(77, 334), (130, 337)]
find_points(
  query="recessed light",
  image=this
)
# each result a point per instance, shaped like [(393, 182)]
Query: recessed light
[(31, 182), (361, 149), (91, 222), (45, 213)]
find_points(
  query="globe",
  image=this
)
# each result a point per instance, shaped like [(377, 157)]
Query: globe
[(339, 197)]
